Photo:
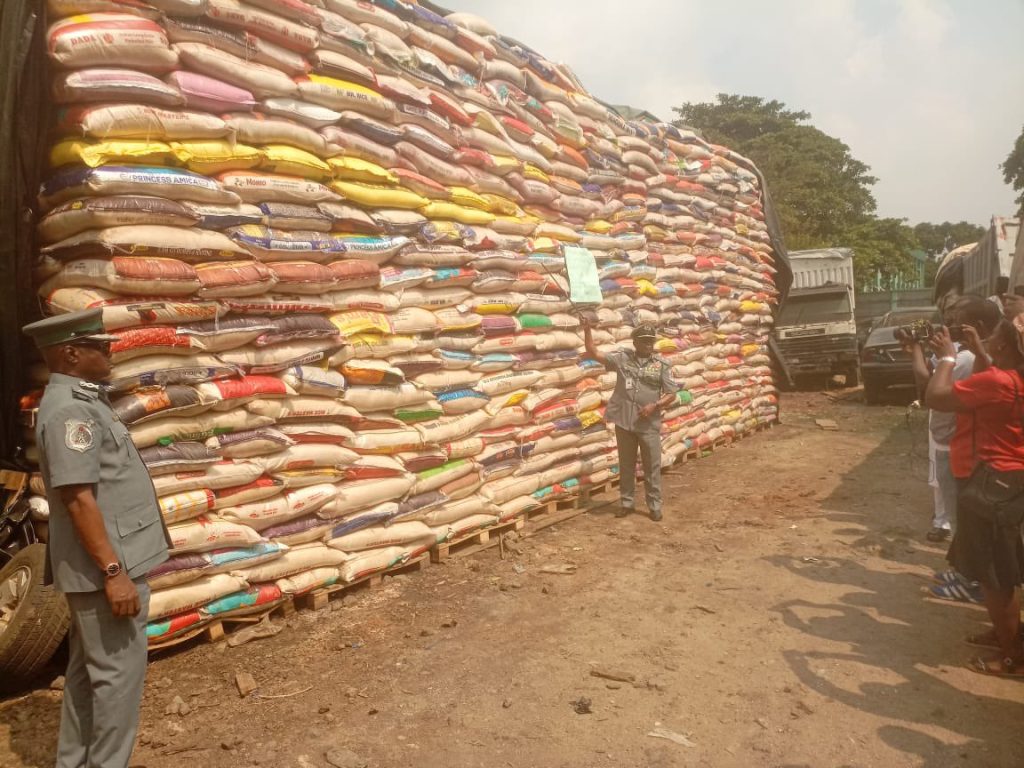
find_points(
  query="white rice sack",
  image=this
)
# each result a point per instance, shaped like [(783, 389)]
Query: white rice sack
[(297, 559), (516, 507), (110, 40), (410, 534), (223, 474), (509, 381), (209, 533), (449, 428), (194, 428), (508, 488), (386, 441), (304, 408), (195, 594), (362, 494), (459, 510), (371, 561), (307, 456), (280, 357), (316, 382), (370, 399), (307, 581), (190, 245), (279, 509), (471, 524)]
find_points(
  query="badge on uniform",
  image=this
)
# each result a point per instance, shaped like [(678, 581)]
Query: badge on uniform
[(78, 434)]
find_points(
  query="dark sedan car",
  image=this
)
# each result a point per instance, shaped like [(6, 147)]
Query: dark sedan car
[(883, 363)]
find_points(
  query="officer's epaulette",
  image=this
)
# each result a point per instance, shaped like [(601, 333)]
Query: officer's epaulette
[(86, 390)]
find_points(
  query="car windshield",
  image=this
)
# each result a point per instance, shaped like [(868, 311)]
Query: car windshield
[(907, 317), (815, 308)]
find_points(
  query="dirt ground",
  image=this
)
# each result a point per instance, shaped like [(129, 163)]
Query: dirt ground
[(776, 618)]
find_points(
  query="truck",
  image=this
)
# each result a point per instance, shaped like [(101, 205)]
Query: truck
[(1016, 282), (982, 269), (816, 328)]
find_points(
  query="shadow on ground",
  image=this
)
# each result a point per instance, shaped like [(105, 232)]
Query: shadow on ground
[(883, 622)]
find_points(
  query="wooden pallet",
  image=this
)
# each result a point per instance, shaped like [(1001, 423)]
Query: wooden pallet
[(216, 628), (320, 598), (560, 510), (474, 542), (722, 442)]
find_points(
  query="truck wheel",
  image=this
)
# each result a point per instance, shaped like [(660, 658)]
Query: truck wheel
[(873, 392), (853, 375), (33, 618)]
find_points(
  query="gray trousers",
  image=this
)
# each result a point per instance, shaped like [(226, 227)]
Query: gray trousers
[(649, 446), (103, 684)]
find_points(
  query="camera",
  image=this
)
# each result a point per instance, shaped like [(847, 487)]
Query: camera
[(919, 331)]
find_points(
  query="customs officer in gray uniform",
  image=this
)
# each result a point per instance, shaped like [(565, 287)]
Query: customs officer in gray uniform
[(643, 387), (106, 533)]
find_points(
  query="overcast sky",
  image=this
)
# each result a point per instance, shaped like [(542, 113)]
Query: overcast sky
[(929, 93)]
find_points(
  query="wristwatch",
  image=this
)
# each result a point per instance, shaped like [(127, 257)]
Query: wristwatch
[(112, 569)]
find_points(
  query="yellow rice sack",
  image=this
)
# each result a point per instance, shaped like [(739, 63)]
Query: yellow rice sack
[(135, 151)]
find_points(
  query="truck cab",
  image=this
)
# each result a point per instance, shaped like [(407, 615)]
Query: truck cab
[(816, 329)]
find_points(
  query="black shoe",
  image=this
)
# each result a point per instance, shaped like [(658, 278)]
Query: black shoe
[(624, 511), (655, 516), (937, 534)]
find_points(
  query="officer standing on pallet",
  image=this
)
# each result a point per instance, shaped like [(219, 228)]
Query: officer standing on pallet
[(106, 533), (643, 387)]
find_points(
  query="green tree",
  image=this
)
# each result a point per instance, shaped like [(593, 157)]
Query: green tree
[(937, 238), (882, 252), (821, 191), (734, 120), (1013, 169)]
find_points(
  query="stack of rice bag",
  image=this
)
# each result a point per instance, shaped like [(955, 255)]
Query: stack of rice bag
[(331, 239)]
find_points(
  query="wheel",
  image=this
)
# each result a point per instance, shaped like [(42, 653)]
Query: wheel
[(33, 618), (853, 375), (873, 392)]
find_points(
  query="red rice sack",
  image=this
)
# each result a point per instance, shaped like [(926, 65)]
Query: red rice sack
[(128, 276), (234, 278)]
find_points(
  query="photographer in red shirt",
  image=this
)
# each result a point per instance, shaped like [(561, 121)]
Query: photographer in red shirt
[(988, 548)]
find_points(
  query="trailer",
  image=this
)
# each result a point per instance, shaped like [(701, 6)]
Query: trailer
[(982, 268), (817, 329)]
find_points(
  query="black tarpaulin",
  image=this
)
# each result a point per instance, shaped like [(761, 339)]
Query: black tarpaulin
[(24, 103)]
